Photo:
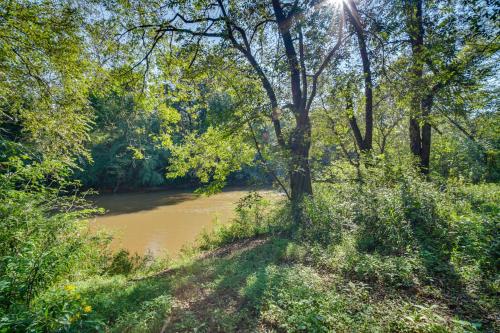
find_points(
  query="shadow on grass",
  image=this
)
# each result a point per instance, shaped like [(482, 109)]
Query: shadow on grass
[(433, 246), (123, 304), (215, 299), (208, 294), (435, 252), (224, 291)]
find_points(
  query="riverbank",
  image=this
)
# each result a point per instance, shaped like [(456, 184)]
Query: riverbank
[(263, 273), (274, 284), (358, 263)]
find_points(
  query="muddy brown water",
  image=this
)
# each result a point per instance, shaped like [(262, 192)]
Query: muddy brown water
[(163, 221)]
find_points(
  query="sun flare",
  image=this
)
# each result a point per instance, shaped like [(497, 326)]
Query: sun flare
[(335, 3)]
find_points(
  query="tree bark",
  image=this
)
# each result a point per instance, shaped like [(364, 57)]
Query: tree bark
[(354, 124), (300, 173), (367, 142), (300, 139), (421, 105), (425, 150)]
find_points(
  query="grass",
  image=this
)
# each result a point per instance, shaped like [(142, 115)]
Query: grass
[(262, 274), (274, 284)]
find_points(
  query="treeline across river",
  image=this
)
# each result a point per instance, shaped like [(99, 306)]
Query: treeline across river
[(126, 154)]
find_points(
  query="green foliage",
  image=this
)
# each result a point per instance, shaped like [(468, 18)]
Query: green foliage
[(415, 215), (381, 247), (44, 239), (475, 224), (212, 156), (43, 64), (253, 218), (122, 263), (304, 283), (396, 212), (62, 309), (328, 217), (125, 145), (123, 305), (44, 120), (300, 301), (390, 214), (459, 157), (297, 303)]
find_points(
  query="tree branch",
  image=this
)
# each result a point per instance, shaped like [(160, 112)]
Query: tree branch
[(271, 172), (302, 66), (323, 65), (246, 51), (293, 63)]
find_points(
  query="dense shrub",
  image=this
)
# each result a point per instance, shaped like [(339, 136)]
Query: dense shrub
[(396, 228), (62, 309), (255, 215), (124, 263), (327, 217), (43, 241)]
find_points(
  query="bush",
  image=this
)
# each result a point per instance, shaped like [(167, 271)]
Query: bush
[(327, 216), (254, 216), (43, 240), (396, 228), (62, 309), (122, 262), (396, 210)]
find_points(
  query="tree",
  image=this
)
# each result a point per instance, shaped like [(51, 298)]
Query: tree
[(296, 31), (447, 45), (364, 143), (43, 84)]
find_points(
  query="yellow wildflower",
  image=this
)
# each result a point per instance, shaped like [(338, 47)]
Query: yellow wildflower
[(87, 308), (70, 288)]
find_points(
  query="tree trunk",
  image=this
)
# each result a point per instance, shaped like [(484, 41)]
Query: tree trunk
[(416, 32), (300, 173), (420, 138), (354, 124), (367, 142), (414, 130), (300, 140), (425, 149)]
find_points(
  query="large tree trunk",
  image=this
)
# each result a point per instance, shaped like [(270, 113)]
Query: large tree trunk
[(414, 130), (300, 140), (300, 172), (416, 32), (421, 104), (364, 144)]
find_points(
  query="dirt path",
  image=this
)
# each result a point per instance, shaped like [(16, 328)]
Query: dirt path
[(197, 298)]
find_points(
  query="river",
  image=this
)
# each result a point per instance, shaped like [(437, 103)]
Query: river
[(162, 221)]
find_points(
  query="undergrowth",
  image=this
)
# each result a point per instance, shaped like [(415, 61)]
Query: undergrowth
[(388, 255)]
